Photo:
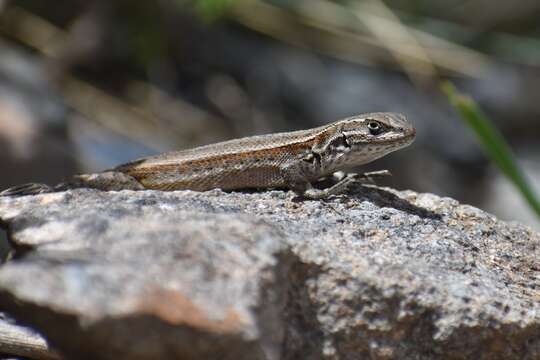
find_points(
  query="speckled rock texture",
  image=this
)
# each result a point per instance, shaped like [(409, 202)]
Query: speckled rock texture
[(373, 274)]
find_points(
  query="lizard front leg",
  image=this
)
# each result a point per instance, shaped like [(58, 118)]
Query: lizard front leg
[(296, 180), (299, 183)]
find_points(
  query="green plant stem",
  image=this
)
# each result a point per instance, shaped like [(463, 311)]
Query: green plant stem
[(493, 142)]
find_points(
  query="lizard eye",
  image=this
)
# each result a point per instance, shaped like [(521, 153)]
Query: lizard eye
[(374, 127)]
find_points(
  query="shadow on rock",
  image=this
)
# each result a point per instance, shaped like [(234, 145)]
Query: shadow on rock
[(385, 198)]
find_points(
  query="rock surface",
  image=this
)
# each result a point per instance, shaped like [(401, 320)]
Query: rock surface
[(375, 274)]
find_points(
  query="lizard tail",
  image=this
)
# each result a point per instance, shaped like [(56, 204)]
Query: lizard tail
[(27, 189), (106, 181), (109, 180)]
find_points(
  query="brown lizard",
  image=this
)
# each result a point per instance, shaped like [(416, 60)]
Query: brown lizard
[(293, 160)]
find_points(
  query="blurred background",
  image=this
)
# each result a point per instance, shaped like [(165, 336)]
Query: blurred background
[(88, 84)]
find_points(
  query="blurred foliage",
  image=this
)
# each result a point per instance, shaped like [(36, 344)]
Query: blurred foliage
[(493, 143), (210, 10)]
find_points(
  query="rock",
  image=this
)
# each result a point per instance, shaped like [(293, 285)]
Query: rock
[(376, 274)]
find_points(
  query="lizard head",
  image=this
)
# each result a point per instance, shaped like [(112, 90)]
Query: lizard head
[(371, 136)]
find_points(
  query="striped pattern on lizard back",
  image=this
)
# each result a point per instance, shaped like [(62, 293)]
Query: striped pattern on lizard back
[(250, 162)]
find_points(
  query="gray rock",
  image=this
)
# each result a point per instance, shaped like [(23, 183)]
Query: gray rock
[(374, 274)]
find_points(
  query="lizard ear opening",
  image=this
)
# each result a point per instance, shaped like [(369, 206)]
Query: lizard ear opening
[(346, 142), (341, 141), (312, 158)]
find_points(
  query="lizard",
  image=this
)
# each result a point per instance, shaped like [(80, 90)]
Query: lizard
[(292, 160)]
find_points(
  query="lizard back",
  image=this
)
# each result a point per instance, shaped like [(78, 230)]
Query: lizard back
[(249, 162)]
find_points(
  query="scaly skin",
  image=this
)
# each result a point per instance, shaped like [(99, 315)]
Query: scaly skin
[(284, 160)]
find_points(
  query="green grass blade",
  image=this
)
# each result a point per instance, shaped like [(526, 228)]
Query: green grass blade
[(493, 142)]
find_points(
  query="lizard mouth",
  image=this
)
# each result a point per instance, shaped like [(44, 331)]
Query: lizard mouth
[(409, 138), (400, 141)]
